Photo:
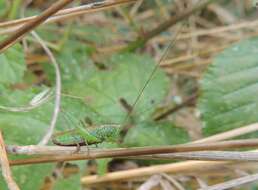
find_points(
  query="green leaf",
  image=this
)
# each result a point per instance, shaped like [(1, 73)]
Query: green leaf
[(30, 176), (12, 65), (126, 76), (154, 134), (74, 62), (229, 89), (21, 129), (71, 182)]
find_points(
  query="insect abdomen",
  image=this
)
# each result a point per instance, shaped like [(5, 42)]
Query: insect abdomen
[(106, 133), (68, 138)]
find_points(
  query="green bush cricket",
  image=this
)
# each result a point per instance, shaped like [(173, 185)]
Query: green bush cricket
[(82, 136)]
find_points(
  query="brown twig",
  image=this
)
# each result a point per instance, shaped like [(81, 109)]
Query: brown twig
[(57, 153), (11, 40), (123, 152), (5, 167), (11, 26), (228, 156)]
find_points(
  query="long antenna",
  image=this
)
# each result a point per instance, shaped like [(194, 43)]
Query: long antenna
[(164, 55)]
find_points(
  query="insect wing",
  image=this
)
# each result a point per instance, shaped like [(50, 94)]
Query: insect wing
[(68, 138)]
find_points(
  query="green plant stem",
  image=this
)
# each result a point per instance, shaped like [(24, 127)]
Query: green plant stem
[(14, 9)]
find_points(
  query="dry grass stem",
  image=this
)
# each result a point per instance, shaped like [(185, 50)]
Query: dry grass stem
[(12, 26), (5, 167), (233, 183), (124, 152), (230, 134), (208, 156), (220, 30), (173, 181), (182, 167)]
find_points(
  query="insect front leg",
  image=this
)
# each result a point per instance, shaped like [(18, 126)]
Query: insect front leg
[(88, 138)]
